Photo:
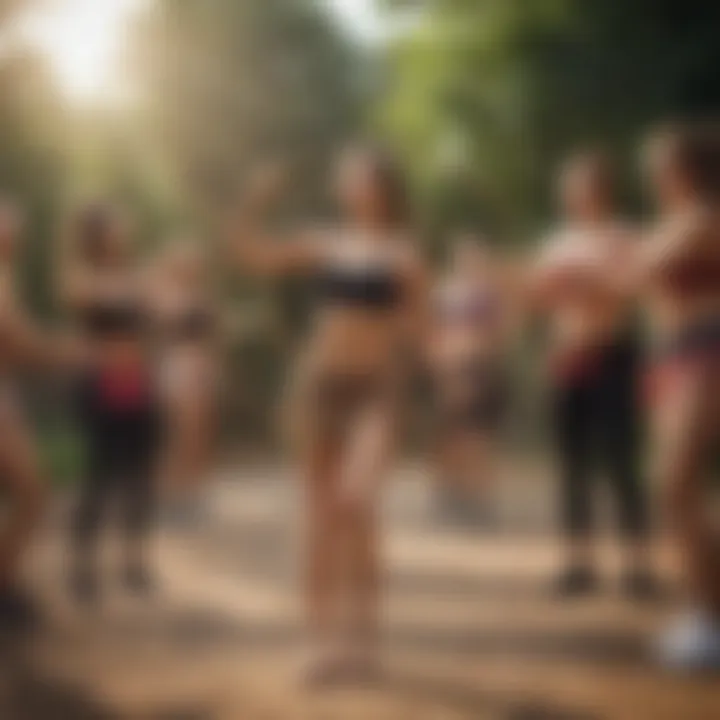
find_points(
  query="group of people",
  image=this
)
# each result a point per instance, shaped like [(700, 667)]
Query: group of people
[(380, 317), (600, 285), (138, 355)]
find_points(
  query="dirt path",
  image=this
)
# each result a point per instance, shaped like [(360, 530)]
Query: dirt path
[(471, 631)]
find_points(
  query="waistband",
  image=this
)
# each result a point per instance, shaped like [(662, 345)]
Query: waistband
[(701, 338), (117, 389)]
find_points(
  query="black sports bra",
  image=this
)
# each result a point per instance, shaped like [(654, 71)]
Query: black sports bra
[(112, 319), (367, 288)]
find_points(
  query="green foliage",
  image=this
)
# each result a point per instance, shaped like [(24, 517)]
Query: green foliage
[(62, 454), (229, 82), (223, 85), (31, 160), (217, 84), (487, 95)]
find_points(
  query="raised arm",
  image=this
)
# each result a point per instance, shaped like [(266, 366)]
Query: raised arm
[(26, 343), (674, 245), (254, 249), (608, 268)]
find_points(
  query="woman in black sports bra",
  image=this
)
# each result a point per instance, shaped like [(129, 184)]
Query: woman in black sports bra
[(370, 284), (116, 395), (682, 274), (187, 326)]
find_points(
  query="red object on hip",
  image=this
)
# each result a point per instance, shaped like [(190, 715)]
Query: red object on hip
[(124, 388), (575, 367)]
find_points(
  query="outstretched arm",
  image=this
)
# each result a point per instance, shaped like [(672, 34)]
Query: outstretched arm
[(674, 245), (27, 344), (254, 248)]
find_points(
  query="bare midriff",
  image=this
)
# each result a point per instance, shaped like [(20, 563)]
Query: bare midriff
[(587, 322), (353, 341)]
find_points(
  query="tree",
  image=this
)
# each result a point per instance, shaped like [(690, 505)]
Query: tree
[(32, 156), (521, 84), (227, 82)]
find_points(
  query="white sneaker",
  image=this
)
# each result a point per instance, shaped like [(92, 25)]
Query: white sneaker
[(692, 643)]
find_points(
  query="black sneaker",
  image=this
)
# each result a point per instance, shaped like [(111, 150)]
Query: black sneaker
[(138, 580), (18, 611), (577, 581), (640, 585)]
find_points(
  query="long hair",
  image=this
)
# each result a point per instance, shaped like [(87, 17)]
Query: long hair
[(693, 150), (391, 182)]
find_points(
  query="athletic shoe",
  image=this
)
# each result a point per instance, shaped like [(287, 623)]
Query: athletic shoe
[(691, 644), (18, 611), (640, 585), (576, 581)]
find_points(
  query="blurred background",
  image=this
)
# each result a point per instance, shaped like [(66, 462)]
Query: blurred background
[(165, 105)]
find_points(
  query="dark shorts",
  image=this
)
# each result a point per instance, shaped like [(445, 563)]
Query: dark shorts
[(693, 346), (597, 431), (122, 423)]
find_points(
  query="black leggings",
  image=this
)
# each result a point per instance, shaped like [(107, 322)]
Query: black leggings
[(121, 448), (597, 428)]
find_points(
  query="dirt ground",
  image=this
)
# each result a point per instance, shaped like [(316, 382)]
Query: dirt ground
[(471, 629)]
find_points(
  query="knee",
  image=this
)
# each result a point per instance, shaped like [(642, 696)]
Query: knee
[(353, 508)]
